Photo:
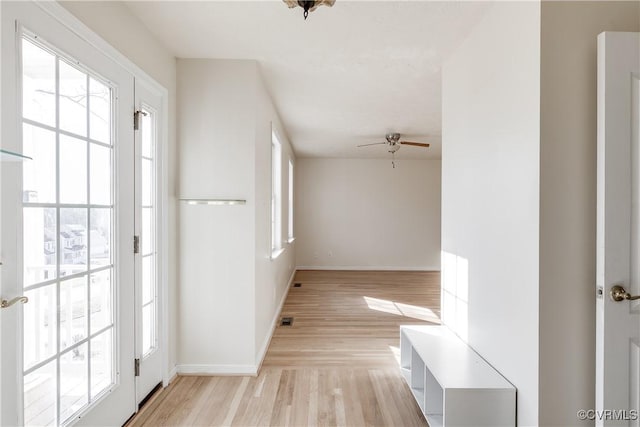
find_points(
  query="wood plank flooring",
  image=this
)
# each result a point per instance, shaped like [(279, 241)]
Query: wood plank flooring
[(335, 366)]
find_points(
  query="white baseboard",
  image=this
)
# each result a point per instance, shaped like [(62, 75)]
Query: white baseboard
[(267, 340), (365, 268), (173, 373), (217, 370)]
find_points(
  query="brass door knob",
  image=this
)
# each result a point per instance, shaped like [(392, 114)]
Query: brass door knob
[(619, 294)]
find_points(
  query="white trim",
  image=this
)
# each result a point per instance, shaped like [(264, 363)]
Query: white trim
[(173, 373), (291, 240), (365, 268), (267, 340), (70, 21), (217, 370), (276, 253)]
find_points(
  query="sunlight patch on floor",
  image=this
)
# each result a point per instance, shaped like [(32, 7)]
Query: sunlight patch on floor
[(400, 309)]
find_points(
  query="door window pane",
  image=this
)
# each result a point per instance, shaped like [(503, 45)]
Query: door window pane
[(73, 99), (73, 240), (147, 279), (73, 381), (147, 182), (40, 245), (39, 174), (101, 362), (73, 311), (100, 237), (38, 84), (39, 323), (73, 170), (101, 300), (100, 171), (147, 227), (148, 328), (100, 111), (40, 390)]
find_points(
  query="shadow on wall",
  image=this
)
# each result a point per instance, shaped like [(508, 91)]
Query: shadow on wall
[(455, 294)]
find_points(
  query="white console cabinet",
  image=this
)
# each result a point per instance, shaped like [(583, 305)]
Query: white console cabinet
[(452, 384)]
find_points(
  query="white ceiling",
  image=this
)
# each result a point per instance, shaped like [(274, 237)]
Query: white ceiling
[(346, 76)]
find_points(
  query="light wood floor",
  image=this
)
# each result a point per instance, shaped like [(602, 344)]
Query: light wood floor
[(335, 366)]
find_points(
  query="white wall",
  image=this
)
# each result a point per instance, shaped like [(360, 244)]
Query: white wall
[(272, 276), (362, 213), (568, 200), (114, 23), (230, 289), (216, 136), (490, 192)]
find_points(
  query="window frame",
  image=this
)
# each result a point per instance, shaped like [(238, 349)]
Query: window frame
[(276, 195)]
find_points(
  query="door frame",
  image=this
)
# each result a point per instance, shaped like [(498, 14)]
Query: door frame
[(66, 18)]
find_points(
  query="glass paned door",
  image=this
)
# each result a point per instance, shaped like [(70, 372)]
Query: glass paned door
[(68, 214), (148, 296), (148, 299)]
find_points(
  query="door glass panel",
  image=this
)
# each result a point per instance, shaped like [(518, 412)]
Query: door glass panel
[(40, 391), (38, 84), (69, 343), (100, 111), (147, 329), (73, 240), (73, 381), (73, 99), (147, 279), (147, 183), (147, 231), (100, 181), (39, 183), (39, 324), (101, 301), (73, 311), (101, 362), (40, 245), (100, 237), (73, 170)]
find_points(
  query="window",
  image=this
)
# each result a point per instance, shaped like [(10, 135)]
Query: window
[(276, 196), (290, 233)]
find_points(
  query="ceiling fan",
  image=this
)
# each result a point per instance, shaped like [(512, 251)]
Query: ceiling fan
[(394, 143)]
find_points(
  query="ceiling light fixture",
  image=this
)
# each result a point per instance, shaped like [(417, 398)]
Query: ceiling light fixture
[(308, 5)]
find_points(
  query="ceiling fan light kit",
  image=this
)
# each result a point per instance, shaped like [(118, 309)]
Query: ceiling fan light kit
[(308, 5), (394, 143)]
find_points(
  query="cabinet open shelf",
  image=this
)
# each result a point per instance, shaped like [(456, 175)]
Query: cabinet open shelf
[(451, 383)]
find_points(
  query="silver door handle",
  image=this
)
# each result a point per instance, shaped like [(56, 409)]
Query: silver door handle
[(619, 294), (4, 303)]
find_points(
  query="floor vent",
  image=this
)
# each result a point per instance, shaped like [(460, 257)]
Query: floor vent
[(297, 285), (286, 321)]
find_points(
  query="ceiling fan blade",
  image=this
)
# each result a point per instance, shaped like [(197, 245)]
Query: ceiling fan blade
[(415, 144), (375, 143)]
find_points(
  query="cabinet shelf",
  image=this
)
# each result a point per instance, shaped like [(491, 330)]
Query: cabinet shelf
[(11, 156)]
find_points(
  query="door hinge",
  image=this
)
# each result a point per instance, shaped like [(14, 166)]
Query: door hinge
[(136, 244), (136, 119), (137, 367)]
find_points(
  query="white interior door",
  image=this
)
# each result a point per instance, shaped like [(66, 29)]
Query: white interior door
[(149, 351), (67, 226), (618, 234)]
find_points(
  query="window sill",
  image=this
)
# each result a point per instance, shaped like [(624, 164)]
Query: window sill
[(275, 254)]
